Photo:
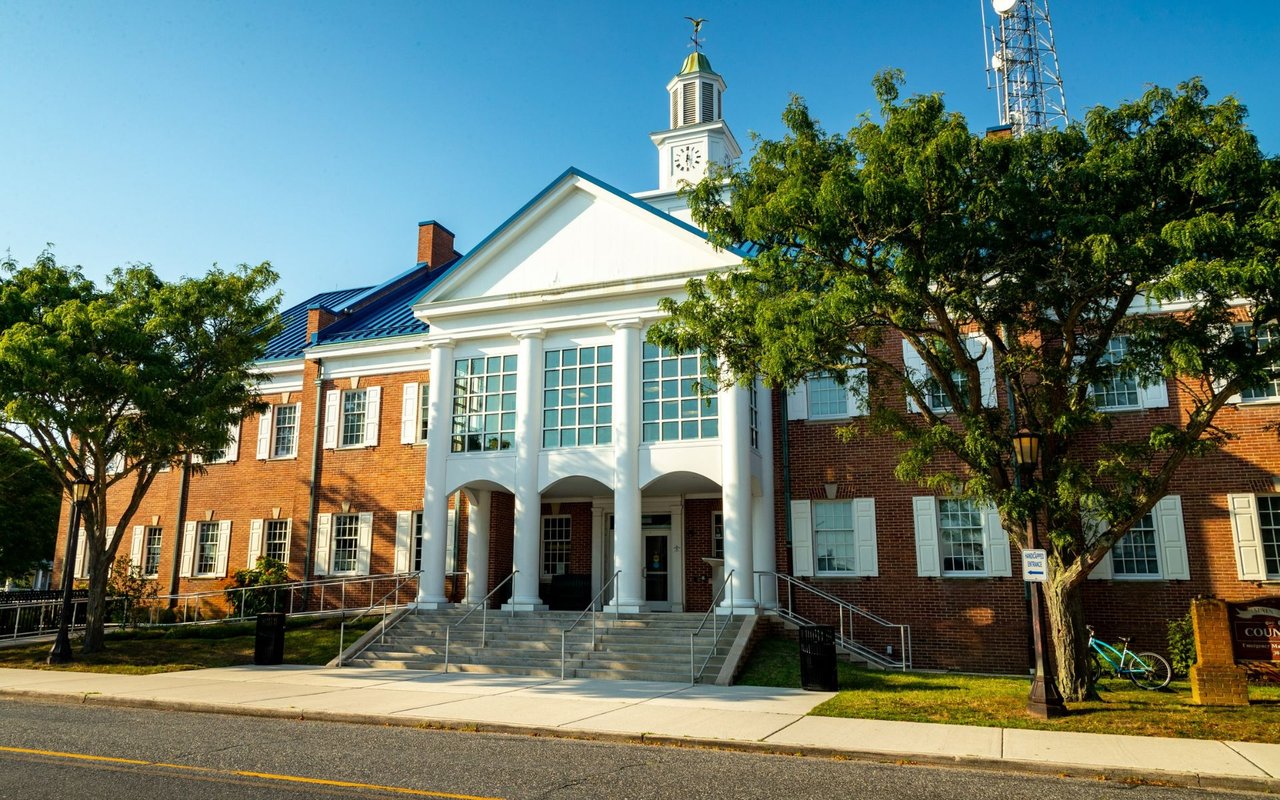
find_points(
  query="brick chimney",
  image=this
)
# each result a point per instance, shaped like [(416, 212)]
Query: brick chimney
[(318, 318), (435, 244)]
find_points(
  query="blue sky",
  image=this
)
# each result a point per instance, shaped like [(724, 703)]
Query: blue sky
[(316, 135)]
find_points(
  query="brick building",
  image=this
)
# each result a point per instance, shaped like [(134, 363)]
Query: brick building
[(502, 410)]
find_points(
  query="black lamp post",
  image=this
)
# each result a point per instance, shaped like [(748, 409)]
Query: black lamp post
[(1044, 701), (61, 651)]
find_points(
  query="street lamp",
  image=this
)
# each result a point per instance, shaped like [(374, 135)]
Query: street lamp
[(1044, 701), (61, 651)]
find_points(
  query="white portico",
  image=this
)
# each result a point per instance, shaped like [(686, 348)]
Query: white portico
[(544, 394)]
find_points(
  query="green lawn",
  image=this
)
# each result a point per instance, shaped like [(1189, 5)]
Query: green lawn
[(192, 647), (1001, 701)]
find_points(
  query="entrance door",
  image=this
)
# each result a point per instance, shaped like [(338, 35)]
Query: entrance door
[(656, 572)]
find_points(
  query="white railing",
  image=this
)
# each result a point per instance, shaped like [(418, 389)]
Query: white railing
[(482, 606), (590, 609), (711, 613), (42, 617), (848, 617), (327, 595), (383, 602)]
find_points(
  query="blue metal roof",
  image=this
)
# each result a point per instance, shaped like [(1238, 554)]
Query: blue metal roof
[(292, 340), (389, 315)]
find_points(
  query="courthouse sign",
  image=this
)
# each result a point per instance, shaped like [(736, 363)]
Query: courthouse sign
[(1255, 630)]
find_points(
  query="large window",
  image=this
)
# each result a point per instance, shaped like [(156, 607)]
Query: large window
[(833, 537), (1270, 389), (484, 404), (717, 534), (424, 410), (285, 438), (1269, 526), (207, 548), (1136, 554), (960, 526), (939, 402), (1120, 390), (346, 542), (679, 404), (277, 540), (151, 553), (577, 398), (556, 543), (353, 414), (827, 398)]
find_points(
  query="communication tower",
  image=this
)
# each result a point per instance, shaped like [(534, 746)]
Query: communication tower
[(1022, 65)]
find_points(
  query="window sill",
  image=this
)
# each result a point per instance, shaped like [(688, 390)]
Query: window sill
[(841, 576), (293, 457), (361, 446), (962, 576), (1258, 401), (833, 418), (1120, 409)]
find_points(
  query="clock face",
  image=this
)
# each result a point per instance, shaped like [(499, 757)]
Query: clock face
[(688, 158)]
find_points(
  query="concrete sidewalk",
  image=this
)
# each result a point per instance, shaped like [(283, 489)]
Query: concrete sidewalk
[(734, 717)]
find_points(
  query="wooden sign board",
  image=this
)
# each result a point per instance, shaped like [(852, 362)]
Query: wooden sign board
[(1255, 636)]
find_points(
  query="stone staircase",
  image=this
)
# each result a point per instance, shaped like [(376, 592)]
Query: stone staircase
[(649, 647)]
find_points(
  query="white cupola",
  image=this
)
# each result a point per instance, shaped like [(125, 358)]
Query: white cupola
[(698, 134)]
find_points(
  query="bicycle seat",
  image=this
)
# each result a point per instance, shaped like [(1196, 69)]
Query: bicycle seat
[(1125, 639), (1091, 629)]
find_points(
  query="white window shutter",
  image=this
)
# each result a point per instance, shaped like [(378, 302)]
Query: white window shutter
[(233, 445), (1250, 563), (135, 546), (981, 346), (859, 391), (331, 400), (115, 464), (324, 527), (264, 435), (1094, 528), (288, 539), (925, 511), (224, 547), (866, 557), (1218, 385), (798, 401), (364, 543), (999, 555), (1172, 536), (451, 537), (186, 566), (916, 372), (404, 540), (409, 413), (801, 539), (372, 415), (255, 542), (82, 547), (1155, 395)]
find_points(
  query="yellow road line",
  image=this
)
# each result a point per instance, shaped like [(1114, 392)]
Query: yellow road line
[(244, 774)]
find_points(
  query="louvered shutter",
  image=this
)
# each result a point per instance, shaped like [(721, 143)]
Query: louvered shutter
[(224, 548), (187, 566), (866, 557), (1155, 395), (404, 540), (364, 543), (264, 435), (1172, 536), (82, 545), (999, 555), (979, 347), (409, 413), (1251, 565), (801, 539), (135, 546), (798, 401), (255, 542), (232, 452), (916, 373), (288, 539), (1102, 571), (924, 510), (332, 398), (372, 415), (324, 529), (859, 392)]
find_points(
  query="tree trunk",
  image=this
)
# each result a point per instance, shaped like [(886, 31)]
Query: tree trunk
[(96, 620), (1069, 637)]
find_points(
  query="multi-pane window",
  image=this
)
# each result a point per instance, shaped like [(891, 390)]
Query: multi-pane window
[(417, 541), (346, 542), (285, 439), (1120, 389), (833, 537), (424, 410), (717, 535), (353, 413), (960, 528), (826, 397), (151, 553), (206, 548), (939, 402), (577, 397), (277, 540), (484, 404), (556, 538), (678, 403), (1135, 554), (1269, 526), (1268, 336)]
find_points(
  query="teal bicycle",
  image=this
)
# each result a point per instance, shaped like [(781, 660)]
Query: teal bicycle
[(1147, 670)]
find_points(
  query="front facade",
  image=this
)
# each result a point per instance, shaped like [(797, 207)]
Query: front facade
[(499, 423)]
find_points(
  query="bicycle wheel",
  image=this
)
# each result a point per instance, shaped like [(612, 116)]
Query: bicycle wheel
[(1095, 668), (1150, 671)]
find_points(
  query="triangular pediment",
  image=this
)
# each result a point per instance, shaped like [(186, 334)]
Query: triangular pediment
[(578, 232)]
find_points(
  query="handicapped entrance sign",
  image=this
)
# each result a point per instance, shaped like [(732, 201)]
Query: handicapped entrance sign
[(1035, 567)]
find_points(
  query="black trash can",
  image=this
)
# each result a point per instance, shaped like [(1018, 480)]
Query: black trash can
[(818, 658), (268, 646)]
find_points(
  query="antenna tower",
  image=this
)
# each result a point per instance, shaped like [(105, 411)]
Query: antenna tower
[(1022, 65)]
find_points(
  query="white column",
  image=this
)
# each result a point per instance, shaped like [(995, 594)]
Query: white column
[(735, 449), (628, 540), (478, 503), (435, 498), (764, 548), (528, 512)]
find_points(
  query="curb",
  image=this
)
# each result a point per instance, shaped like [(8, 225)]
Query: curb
[(1062, 770)]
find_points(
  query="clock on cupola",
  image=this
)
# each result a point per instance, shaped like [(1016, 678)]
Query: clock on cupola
[(698, 134)]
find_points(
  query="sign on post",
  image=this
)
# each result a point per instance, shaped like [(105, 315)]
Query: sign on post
[(1035, 566), (1255, 637)]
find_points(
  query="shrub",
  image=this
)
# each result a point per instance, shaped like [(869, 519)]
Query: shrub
[(266, 572), (1182, 644), (125, 582)]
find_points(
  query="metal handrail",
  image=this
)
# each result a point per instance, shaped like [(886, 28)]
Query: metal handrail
[(49, 613), (693, 676), (591, 608), (185, 600), (342, 629), (842, 606), (484, 617)]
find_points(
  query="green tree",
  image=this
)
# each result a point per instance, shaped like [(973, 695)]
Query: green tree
[(1047, 247), (29, 498), (111, 385)]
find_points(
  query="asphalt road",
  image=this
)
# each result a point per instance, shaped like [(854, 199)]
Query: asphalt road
[(66, 751)]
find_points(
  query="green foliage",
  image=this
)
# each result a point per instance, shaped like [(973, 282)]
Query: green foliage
[(266, 572), (29, 503), (132, 594), (1182, 645)]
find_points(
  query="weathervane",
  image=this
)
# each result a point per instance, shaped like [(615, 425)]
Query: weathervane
[(697, 26)]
